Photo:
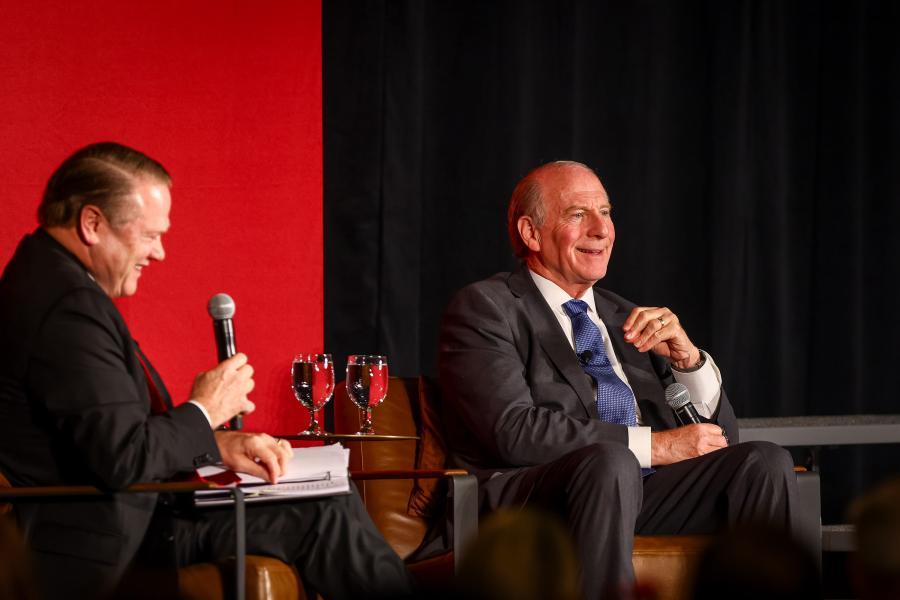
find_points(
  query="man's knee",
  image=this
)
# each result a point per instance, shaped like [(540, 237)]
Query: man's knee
[(768, 460), (606, 462)]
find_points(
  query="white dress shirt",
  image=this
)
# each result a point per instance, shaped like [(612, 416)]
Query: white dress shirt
[(704, 384)]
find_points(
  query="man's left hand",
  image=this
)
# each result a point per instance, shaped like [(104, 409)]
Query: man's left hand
[(256, 454), (658, 329)]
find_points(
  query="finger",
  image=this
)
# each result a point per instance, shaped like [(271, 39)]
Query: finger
[(235, 362), (642, 317), (632, 317), (656, 331), (285, 454), (247, 406), (268, 457), (245, 464)]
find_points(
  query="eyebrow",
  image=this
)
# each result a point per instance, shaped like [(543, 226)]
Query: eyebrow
[(576, 207)]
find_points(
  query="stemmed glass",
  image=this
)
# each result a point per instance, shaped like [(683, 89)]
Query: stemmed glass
[(312, 377), (367, 382)]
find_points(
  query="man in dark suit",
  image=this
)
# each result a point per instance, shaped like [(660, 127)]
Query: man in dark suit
[(554, 393), (80, 404)]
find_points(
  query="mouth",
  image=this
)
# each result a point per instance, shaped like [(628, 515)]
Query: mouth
[(591, 251)]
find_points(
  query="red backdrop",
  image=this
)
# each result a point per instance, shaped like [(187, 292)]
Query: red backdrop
[(227, 95)]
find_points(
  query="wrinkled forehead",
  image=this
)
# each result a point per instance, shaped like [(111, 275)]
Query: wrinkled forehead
[(594, 197)]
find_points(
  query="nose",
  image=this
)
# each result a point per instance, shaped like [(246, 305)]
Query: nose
[(157, 252), (599, 226)]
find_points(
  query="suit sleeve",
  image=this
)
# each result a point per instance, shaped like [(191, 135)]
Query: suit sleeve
[(485, 374), (80, 373)]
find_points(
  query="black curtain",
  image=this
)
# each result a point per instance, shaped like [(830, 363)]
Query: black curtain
[(750, 150)]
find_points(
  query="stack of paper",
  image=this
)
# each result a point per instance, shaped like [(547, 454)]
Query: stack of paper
[(312, 472)]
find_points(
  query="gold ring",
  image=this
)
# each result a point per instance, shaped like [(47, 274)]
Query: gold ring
[(662, 322)]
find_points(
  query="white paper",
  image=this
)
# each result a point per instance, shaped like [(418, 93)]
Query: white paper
[(317, 462), (312, 472)]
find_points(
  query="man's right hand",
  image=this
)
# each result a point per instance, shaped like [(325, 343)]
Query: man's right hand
[(223, 390), (674, 445)]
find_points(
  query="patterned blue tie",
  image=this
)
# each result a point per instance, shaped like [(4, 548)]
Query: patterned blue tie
[(615, 400)]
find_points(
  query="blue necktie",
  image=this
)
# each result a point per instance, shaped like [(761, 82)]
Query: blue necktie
[(615, 400)]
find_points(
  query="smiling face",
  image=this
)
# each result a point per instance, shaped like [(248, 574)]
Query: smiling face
[(120, 253), (572, 246)]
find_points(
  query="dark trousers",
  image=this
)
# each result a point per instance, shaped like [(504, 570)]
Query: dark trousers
[(599, 492), (332, 542)]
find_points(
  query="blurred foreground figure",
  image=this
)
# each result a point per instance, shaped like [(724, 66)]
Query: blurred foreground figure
[(751, 563), (875, 566), (520, 555), (554, 393), (81, 404)]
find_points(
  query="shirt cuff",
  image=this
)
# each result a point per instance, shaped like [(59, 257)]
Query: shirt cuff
[(203, 410), (704, 385), (639, 444)]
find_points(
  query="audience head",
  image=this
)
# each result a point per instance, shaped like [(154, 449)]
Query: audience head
[(758, 561), (875, 566), (520, 555)]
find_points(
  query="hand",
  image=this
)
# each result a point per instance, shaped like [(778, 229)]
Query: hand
[(658, 329), (223, 390), (674, 445), (256, 454)]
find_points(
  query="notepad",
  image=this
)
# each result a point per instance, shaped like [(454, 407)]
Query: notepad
[(312, 473)]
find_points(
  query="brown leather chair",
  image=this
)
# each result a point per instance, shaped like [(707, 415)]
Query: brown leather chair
[(404, 509)]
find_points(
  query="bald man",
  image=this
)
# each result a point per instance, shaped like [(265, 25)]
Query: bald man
[(554, 393)]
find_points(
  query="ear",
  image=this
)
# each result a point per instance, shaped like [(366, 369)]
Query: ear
[(90, 221), (530, 235)]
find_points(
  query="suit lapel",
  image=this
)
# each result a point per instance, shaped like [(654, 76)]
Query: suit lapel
[(552, 339)]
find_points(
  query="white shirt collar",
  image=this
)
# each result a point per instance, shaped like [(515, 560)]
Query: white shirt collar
[(556, 297)]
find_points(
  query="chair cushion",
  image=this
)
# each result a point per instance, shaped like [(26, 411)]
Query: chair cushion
[(267, 578), (666, 563)]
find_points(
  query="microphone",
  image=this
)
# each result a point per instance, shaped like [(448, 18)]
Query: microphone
[(679, 400), (221, 309), (585, 357)]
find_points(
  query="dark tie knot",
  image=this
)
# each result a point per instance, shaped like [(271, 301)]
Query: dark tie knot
[(575, 307)]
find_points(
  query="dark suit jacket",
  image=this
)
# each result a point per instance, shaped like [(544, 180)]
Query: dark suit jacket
[(514, 394), (75, 409)]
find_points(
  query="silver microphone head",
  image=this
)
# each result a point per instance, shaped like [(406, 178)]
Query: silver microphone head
[(220, 306), (677, 396)]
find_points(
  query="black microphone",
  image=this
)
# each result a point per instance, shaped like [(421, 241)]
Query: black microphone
[(679, 400), (221, 309), (585, 357)]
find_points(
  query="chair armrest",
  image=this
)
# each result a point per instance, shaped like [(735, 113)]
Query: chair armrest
[(807, 526), (405, 474), (462, 495), (12, 494)]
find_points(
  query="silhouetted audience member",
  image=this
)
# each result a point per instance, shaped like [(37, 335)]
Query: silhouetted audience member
[(875, 566), (756, 562), (520, 555)]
